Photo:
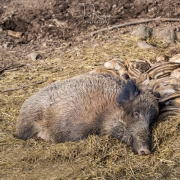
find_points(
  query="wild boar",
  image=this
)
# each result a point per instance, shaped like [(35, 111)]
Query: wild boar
[(101, 103), (118, 66), (161, 89), (122, 73)]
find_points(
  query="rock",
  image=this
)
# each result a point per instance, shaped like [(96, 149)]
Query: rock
[(6, 45), (167, 35), (60, 23), (14, 34), (34, 56), (114, 6), (145, 45), (44, 44), (143, 32)]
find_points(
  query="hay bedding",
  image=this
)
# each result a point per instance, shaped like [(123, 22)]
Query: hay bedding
[(95, 157)]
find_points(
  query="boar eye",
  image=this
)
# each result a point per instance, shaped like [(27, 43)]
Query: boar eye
[(157, 87), (136, 114)]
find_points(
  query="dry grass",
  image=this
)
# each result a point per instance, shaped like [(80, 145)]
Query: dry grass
[(95, 158)]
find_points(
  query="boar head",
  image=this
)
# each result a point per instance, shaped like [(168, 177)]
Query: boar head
[(140, 110)]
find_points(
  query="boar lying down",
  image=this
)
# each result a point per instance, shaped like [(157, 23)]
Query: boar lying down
[(100, 104)]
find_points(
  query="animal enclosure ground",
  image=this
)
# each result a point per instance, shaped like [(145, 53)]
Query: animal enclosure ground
[(95, 157)]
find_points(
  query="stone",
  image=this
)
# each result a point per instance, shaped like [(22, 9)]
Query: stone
[(6, 45), (145, 45), (143, 32), (167, 35), (14, 34), (33, 56)]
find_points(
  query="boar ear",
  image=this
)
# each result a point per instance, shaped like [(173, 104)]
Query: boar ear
[(129, 92)]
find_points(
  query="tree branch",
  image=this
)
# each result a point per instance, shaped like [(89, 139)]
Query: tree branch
[(136, 22)]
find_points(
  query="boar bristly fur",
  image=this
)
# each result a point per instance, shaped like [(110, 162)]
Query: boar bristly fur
[(101, 103)]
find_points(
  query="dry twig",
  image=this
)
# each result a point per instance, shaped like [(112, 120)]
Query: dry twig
[(25, 86), (136, 22), (10, 66)]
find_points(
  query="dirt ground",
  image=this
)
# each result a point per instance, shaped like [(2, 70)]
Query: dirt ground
[(60, 31), (53, 21)]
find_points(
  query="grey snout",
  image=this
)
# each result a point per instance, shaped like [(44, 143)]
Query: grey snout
[(144, 151), (141, 144)]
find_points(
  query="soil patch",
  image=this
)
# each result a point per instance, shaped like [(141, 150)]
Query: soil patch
[(65, 19)]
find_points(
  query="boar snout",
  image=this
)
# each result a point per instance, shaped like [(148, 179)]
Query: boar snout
[(141, 137), (144, 151), (141, 145)]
